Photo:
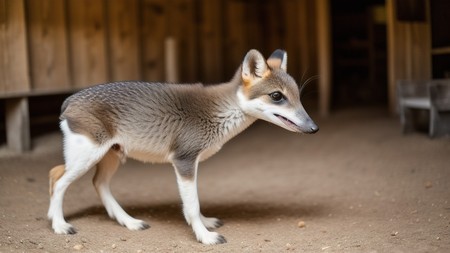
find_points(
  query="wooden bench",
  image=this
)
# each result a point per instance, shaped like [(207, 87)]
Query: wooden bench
[(415, 94)]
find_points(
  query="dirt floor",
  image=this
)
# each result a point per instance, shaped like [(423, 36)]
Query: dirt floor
[(358, 185)]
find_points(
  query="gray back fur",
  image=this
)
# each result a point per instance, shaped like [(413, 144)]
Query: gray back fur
[(161, 117)]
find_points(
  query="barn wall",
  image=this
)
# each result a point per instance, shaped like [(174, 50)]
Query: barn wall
[(61, 46)]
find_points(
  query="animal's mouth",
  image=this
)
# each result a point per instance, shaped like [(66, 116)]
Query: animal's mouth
[(288, 122)]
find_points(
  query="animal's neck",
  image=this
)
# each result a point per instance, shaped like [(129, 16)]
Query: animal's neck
[(230, 115)]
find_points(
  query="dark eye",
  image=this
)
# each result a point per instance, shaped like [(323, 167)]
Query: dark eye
[(276, 96)]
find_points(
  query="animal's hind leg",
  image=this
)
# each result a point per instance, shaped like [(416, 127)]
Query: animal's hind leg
[(106, 169), (72, 172), (80, 154)]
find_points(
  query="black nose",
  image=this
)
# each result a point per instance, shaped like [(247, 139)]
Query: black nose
[(314, 128)]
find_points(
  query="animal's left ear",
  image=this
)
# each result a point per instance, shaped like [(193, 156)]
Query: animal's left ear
[(278, 60)]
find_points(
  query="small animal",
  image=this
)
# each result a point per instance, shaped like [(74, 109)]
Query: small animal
[(181, 124)]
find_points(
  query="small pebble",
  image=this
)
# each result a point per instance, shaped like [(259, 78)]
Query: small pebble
[(288, 246), (428, 184), (113, 246), (438, 238), (83, 240), (78, 247), (67, 240), (40, 246), (394, 233), (301, 224), (123, 239)]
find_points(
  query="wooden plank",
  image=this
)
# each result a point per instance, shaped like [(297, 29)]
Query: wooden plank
[(153, 33), (86, 22), (324, 55), (292, 37), (47, 43), (123, 39), (183, 28), (211, 41), (171, 60), (17, 124), (256, 27), (306, 39), (236, 35), (409, 51), (273, 34), (14, 75)]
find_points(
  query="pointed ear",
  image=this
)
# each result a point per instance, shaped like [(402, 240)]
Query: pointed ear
[(254, 67), (278, 60)]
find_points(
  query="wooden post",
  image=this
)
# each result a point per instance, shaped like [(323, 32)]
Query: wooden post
[(17, 124), (324, 55), (14, 77), (170, 56)]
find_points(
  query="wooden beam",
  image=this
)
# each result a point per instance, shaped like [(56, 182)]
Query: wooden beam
[(17, 124), (324, 55), (171, 60)]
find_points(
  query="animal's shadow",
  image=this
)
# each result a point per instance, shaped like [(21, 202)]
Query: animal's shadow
[(236, 212)]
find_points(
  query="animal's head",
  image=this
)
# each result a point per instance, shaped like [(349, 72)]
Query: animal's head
[(271, 94)]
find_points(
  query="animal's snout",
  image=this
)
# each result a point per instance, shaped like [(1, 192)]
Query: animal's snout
[(307, 126), (313, 128)]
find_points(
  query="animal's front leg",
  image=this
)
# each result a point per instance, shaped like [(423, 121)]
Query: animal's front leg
[(186, 171)]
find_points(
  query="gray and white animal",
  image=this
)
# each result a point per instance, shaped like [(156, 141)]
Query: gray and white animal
[(180, 124)]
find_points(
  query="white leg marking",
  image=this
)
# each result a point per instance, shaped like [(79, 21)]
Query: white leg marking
[(80, 155), (106, 168), (191, 210)]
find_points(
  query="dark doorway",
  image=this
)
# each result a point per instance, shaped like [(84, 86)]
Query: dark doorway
[(359, 53)]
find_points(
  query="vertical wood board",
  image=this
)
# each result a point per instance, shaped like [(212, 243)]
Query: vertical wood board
[(14, 75), (87, 42), (235, 35), (17, 124), (211, 42), (47, 43), (153, 32), (123, 39), (324, 55), (183, 27)]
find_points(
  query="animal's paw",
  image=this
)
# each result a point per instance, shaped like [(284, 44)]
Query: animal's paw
[(64, 228), (211, 222), (136, 225), (211, 238)]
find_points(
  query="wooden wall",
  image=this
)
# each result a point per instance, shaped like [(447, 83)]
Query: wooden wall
[(409, 50), (50, 46)]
